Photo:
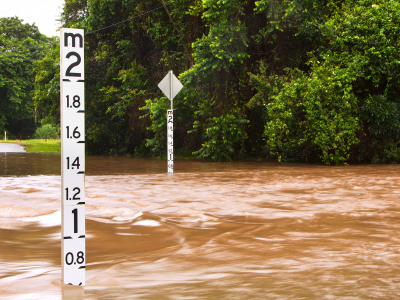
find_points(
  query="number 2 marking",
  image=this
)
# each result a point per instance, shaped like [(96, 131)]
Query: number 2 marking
[(78, 61)]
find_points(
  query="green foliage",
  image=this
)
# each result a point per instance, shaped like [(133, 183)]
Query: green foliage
[(381, 118), (74, 11), (46, 93), (299, 80), (226, 43), (318, 112), (114, 123), (16, 75), (47, 131), (225, 137), (157, 111)]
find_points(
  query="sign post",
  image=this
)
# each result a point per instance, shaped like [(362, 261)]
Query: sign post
[(72, 100), (170, 86), (170, 140)]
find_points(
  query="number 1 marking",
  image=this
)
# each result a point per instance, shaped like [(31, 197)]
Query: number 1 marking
[(75, 212)]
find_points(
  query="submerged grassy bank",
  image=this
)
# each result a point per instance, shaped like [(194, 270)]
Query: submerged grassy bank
[(38, 145)]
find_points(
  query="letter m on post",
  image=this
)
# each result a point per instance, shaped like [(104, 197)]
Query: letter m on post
[(73, 37)]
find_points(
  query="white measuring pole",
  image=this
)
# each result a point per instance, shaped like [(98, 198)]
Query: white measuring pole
[(72, 101), (170, 130), (170, 140)]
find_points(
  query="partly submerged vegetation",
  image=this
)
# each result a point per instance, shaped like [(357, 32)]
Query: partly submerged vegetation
[(293, 80), (38, 145)]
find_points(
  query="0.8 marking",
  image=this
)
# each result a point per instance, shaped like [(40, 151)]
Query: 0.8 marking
[(69, 258)]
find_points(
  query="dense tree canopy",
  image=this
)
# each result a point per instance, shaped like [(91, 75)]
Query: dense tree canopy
[(296, 80), (20, 45)]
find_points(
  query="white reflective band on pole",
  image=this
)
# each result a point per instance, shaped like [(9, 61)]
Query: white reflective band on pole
[(72, 108)]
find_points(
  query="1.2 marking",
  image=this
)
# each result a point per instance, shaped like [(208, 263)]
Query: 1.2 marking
[(78, 191)]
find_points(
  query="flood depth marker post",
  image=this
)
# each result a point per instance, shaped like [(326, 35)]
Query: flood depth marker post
[(170, 86), (72, 96)]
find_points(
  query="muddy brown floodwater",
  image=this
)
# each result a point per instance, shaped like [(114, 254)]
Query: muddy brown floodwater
[(208, 231)]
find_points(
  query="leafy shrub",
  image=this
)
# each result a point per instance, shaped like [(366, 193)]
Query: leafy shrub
[(381, 118), (347, 93), (319, 109), (224, 138), (157, 111), (47, 131)]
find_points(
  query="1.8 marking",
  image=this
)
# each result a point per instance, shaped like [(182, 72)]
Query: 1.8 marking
[(76, 102)]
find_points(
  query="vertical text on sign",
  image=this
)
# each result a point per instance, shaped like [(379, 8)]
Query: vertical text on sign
[(170, 140), (72, 103)]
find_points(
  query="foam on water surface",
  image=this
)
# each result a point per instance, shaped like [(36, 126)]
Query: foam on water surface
[(53, 219)]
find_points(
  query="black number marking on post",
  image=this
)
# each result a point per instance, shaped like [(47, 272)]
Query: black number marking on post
[(69, 254), (75, 213), (76, 103), (76, 100), (78, 191), (71, 66), (76, 134), (80, 258), (74, 164)]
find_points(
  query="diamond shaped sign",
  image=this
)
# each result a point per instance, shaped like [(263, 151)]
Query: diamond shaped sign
[(170, 85)]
